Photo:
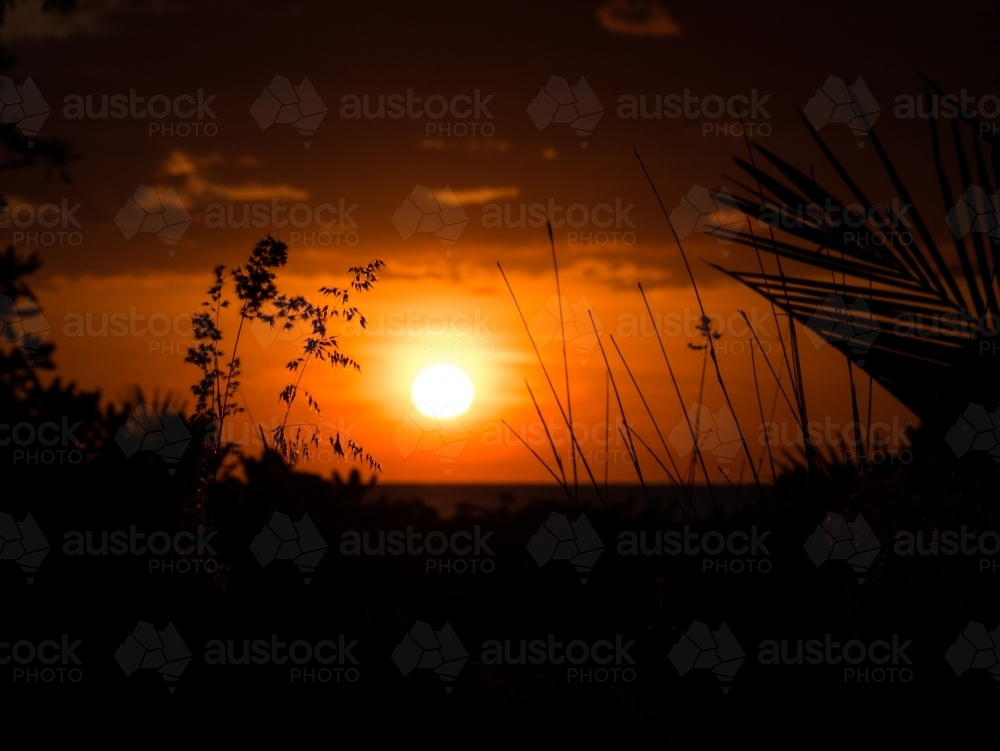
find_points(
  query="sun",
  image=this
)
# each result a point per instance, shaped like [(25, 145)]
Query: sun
[(442, 391)]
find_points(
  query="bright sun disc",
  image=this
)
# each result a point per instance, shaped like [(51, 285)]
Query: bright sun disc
[(442, 391)]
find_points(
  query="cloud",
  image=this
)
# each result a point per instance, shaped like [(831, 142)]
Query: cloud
[(480, 196), (180, 164), (249, 191), (638, 18), (472, 144), (27, 21)]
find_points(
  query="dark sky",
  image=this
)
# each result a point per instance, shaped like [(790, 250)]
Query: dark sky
[(232, 50)]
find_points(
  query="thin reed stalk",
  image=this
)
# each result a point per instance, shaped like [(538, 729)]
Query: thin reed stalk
[(701, 306)]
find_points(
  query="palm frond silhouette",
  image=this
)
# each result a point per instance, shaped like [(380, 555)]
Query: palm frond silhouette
[(928, 309)]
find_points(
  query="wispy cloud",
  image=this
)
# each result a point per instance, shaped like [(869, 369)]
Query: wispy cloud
[(191, 170), (473, 145), (638, 18), (479, 196), (27, 21)]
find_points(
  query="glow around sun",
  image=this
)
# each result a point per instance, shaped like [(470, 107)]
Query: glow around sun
[(442, 391)]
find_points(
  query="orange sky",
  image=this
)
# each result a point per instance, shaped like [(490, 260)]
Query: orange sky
[(463, 316)]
